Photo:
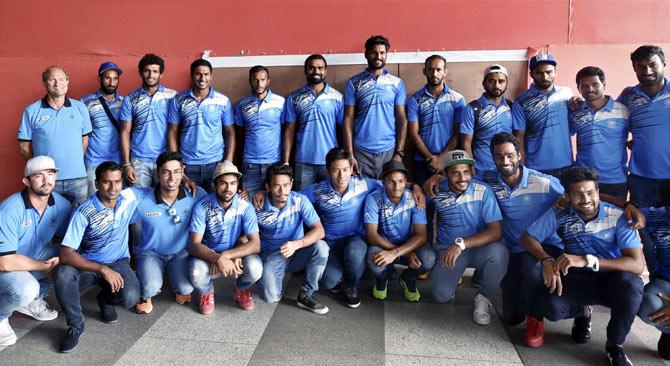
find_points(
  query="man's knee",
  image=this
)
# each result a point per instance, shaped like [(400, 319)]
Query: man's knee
[(65, 275), (199, 272), (253, 267)]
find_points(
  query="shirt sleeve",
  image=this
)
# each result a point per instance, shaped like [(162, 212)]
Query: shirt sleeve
[(555, 186), (518, 117), (339, 111), (309, 216), (371, 215), (227, 118), (173, 112), (544, 227), (374, 185), (239, 119), (126, 112), (412, 110), (309, 192), (198, 219), (75, 230), (490, 210), (419, 216), (86, 127), (249, 220), (400, 95), (467, 119), (349, 94), (9, 226), (25, 128), (290, 115), (626, 236), (64, 212)]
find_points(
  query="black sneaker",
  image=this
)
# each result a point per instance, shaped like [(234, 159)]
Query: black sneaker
[(581, 329), (337, 289), (617, 356), (351, 297), (664, 346), (71, 340), (107, 311), (312, 304), (476, 278)]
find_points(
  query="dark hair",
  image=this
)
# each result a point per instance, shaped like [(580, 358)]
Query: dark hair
[(646, 52), (107, 166), (166, 156), (200, 62), (375, 40), (315, 56), (576, 175), (278, 169), (503, 138), (151, 59), (590, 71), (337, 153), (48, 70), (257, 69), (434, 57)]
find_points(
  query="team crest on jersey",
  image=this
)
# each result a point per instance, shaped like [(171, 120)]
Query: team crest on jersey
[(189, 105), (116, 105), (152, 214), (576, 227), (43, 118), (26, 224), (142, 102), (96, 108)]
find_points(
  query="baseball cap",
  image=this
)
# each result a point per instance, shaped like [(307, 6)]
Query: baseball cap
[(458, 157), (495, 68), (542, 58), (38, 164), (109, 66), (394, 166), (225, 167)]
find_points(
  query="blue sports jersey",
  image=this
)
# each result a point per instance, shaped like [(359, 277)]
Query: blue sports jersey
[(658, 228), (394, 221), (262, 120), (103, 142), (279, 226)]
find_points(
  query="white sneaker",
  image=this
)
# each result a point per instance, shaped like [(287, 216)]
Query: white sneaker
[(38, 310), (7, 335), (481, 314)]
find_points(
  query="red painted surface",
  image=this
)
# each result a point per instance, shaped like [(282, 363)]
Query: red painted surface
[(80, 34)]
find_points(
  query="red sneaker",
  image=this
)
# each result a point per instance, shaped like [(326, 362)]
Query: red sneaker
[(534, 334), (206, 303), (243, 299)]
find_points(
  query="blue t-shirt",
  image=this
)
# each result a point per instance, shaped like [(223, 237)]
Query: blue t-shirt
[(262, 120), (201, 125), (24, 231), (658, 228), (464, 215), (58, 134), (103, 142), (148, 114), (317, 118), (492, 120), (100, 234), (544, 118), (162, 233), (601, 139), (394, 221), (221, 228), (603, 237), (648, 123), (279, 226), (342, 216), (523, 204), (436, 117), (375, 100)]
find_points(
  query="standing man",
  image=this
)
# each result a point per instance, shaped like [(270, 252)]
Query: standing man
[(200, 119), (314, 111), (144, 114), (375, 125), (104, 107), (486, 116), (31, 222), (58, 126), (260, 116), (540, 119)]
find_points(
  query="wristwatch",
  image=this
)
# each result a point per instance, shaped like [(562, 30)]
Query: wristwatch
[(592, 262), (460, 243)]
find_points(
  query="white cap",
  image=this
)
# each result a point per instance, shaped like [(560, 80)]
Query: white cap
[(225, 167), (38, 164), (495, 68)]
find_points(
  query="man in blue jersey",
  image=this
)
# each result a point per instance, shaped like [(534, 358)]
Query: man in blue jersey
[(313, 114), (164, 214), (224, 241), (600, 264), (58, 126), (94, 251), (540, 119), (200, 119), (601, 125), (375, 125), (104, 107), (284, 244), (31, 222), (260, 116), (144, 114), (486, 116)]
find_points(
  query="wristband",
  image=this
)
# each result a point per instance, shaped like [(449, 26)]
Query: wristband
[(547, 259), (126, 165)]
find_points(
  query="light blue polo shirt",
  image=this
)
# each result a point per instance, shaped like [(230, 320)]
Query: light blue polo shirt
[(436, 117), (465, 215), (603, 237), (262, 120), (24, 231), (394, 221), (658, 228), (160, 233), (103, 142), (279, 226), (523, 204), (201, 125), (148, 114), (375, 100), (601, 139), (58, 134), (544, 117), (100, 234), (221, 228), (648, 122), (341, 216), (493, 119), (317, 117)]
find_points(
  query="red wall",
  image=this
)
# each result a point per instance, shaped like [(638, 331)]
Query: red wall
[(80, 34)]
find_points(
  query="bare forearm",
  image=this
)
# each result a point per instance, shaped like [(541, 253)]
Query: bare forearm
[(70, 257), (125, 142), (417, 141), (377, 240), (533, 247), (201, 251), (241, 250), (415, 242), (401, 127), (314, 234), (173, 132), (19, 262), (491, 233), (26, 149), (287, 141)]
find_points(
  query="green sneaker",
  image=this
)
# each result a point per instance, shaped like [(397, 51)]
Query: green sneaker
[(409, 289), (380, 294)]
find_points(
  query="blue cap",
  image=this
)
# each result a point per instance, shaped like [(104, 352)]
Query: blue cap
[(542, 58), (109, 66)]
